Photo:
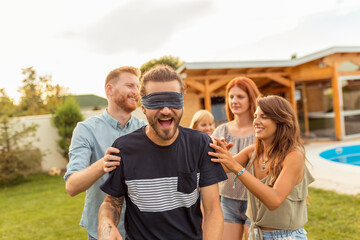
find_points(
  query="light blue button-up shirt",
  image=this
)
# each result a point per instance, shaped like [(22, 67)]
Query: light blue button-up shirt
[(89, 142)]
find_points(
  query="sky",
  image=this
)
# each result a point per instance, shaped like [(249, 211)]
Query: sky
[(78, 42)]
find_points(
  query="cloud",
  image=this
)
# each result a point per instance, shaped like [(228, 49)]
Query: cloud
[(320, 31), (140, 25), (312, 33)]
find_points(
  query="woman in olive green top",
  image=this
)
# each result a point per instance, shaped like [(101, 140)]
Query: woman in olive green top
[(276, 175)]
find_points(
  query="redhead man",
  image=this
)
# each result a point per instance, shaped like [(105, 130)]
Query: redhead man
[(90, 151)]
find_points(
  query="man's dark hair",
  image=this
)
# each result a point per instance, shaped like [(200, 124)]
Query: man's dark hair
[(160, 73)]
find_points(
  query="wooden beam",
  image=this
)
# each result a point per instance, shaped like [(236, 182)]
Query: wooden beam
[(210, 72), (236, 71), (283, 81), (207, 98), (263, 82), (336, 102), (195, 84), (312, 78), (340, 58), (349, 73), (356, 61), (219, 83), (266, 75), (249, 75), (253, 70), (309, 72), (305, 110), (274, 90)]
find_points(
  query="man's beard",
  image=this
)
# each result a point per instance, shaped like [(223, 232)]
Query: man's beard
[(165, 134), (123, 103)]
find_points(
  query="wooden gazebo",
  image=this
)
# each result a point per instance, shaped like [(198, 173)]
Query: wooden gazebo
[(288, 78)]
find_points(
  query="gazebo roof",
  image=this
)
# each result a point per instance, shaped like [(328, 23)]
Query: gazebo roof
[(267, 64)]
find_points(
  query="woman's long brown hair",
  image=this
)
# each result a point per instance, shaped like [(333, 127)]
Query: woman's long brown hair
[(287, 134)]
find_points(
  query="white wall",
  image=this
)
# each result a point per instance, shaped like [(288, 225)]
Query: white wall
[(47, 137)]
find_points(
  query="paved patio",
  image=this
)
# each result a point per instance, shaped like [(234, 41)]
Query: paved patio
[(329, 175)]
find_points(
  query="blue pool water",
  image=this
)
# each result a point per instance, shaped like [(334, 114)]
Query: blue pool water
[(348, 155)]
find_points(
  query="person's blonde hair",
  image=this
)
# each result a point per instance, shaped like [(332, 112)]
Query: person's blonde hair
[(201, 115)]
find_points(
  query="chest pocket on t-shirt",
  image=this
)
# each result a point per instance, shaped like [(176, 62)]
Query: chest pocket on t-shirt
[(187, 182)]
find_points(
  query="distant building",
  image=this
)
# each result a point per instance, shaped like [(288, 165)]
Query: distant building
[(323, 88)]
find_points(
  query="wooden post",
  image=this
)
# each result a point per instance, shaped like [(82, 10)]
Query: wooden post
[(207, 98), (305, 109), (336, 102), (292, 97)]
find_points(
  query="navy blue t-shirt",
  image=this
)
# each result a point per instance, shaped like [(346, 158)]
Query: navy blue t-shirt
[(161, 184)]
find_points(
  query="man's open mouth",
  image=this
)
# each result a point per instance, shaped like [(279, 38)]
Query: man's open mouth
[(165, 122)]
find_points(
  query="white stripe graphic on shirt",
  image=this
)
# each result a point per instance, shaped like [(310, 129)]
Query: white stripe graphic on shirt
[(160, 194)]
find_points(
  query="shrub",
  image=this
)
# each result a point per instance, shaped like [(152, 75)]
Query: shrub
[(65, 119)]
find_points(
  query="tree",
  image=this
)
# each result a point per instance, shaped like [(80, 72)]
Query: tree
[(38, 95), (54, 96), (7, 106), (171, 61), (65, 119), (18, 157)]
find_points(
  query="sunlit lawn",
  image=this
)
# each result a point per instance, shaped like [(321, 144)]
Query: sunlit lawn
[(333, 216), (41, 209)]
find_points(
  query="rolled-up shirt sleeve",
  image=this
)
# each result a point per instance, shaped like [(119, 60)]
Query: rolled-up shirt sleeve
[(79, 151)]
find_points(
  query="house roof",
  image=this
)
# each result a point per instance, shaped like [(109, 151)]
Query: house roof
[(263, 64)]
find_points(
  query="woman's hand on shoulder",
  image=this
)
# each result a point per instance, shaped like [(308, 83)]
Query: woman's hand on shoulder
[(222, 143), (227, 159)]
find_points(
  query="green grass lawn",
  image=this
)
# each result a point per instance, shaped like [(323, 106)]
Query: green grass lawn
[(333, 216), (41, 209)]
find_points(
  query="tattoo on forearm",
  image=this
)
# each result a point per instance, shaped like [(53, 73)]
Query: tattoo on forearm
[(110, 209), (114, 205), (105, 231)]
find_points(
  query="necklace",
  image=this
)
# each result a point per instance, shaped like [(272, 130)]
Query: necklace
[(263, 166)]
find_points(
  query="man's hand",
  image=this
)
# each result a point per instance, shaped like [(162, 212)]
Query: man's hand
[(110, 161)]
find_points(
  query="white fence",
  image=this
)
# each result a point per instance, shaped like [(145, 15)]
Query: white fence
[(47, 137)]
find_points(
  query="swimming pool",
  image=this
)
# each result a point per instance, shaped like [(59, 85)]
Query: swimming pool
[(347, 154)]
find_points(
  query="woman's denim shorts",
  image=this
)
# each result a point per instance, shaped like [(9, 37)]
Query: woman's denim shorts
[(298, 234), (234, 211)]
